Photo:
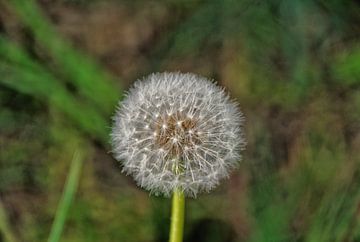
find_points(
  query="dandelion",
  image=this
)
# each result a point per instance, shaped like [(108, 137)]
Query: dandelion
[(176, 131), (177, 134)]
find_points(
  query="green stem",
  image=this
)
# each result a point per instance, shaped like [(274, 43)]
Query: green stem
[(177, 217), (67, 197)]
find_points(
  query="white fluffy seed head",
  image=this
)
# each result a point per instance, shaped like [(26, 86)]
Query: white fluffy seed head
[(177, 131)]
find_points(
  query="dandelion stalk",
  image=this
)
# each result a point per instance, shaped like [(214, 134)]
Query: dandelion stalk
[(177, 216)]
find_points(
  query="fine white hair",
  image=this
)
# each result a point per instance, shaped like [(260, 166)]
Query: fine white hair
[(177, 131)]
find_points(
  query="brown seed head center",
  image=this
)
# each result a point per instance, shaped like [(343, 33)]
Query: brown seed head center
[(176, 133)]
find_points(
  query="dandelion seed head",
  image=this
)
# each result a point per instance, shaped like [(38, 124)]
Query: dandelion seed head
[(177, 131)]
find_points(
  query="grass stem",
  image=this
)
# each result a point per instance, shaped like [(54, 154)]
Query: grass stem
[(67, 198)]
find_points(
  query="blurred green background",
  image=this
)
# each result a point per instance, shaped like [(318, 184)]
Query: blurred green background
[(294, 66)]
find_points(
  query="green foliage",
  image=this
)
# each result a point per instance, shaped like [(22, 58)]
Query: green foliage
[(347, 67), (92, 82), (294, 65), (26, 76)]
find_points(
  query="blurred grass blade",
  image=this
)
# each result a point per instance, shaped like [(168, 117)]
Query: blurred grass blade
[(92, 82), (4, 226), (336, 216), (24, 75), (272, 211), (346, 68), (67, 197)]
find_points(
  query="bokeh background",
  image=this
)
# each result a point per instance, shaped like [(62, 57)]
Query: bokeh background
[(294, 66)]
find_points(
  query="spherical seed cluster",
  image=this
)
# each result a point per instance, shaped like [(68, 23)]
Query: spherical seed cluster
[(177, 131)]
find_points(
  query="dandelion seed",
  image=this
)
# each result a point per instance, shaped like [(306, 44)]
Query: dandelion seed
[(177, 131)]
